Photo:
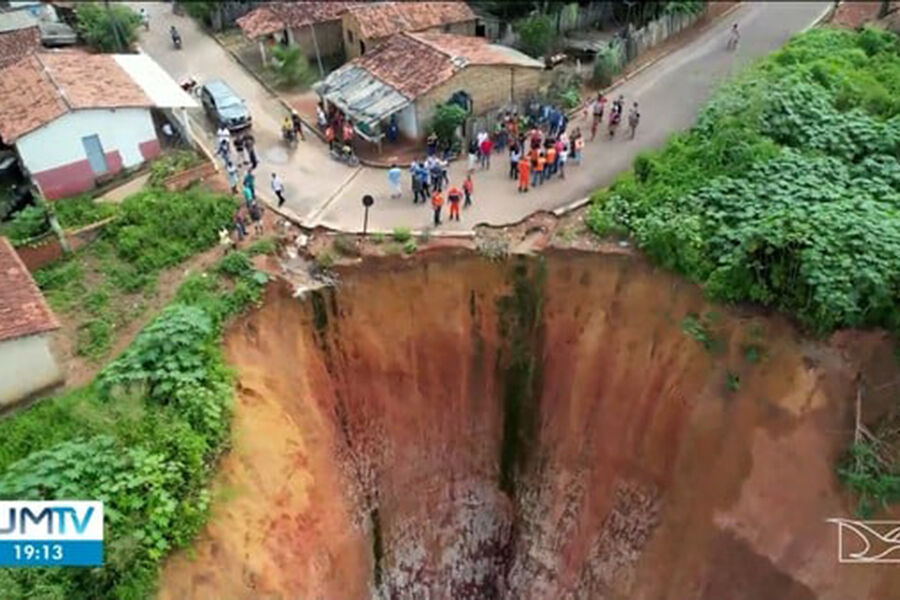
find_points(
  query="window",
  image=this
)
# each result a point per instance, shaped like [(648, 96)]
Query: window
[(350, 35), (362, 47)]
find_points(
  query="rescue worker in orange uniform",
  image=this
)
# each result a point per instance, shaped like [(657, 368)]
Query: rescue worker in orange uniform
[(437, 202), (454, 197), (524, 171)]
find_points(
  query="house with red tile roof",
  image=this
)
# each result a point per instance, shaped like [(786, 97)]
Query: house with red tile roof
[(349, 29), (409, 74), (19, 35), (314, 26), (367, 25), (76, 118), (27, 365)]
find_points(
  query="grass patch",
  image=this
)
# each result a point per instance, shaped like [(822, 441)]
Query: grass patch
[(401, 235), (106, 285)]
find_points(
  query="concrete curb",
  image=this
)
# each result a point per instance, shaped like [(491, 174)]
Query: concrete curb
[(825, 16)]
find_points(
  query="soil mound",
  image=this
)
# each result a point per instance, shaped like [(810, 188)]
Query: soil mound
[(571, 426)]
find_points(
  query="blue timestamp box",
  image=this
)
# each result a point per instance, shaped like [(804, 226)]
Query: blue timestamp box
[(51, 533)]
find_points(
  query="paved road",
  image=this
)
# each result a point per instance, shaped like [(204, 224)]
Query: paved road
[(323, 192)]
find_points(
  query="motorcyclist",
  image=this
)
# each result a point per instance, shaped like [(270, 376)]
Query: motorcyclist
[(734, 36), (287, 129), (176, 37), (297, 124), (145, 18)]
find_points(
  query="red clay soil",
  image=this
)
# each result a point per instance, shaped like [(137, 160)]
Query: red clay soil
[(409, 434), (853, 14)]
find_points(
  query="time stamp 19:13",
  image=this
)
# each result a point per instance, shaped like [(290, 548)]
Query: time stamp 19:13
[(51, 533)]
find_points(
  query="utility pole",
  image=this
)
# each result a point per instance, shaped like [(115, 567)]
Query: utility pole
[(312, 27)]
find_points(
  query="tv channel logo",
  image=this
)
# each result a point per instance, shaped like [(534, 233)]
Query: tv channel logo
[(51, 533)]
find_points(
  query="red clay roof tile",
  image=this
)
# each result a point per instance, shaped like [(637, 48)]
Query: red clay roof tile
[(381, 19), (276, 16), (23, 310), (407, 65), (42, 86), (16, 44)]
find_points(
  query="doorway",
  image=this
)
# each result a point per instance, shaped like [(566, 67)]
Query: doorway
[(95, 155)]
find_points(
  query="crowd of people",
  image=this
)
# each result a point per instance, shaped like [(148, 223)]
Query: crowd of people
[(539, 146)]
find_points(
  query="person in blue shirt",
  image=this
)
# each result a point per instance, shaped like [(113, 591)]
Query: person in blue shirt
[(394, 176)]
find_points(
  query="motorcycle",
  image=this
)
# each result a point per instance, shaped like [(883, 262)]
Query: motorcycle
[(289, 136), (345, 155), (176, 41)]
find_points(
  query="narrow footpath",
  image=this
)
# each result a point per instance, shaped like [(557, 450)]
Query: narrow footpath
[(323, 192)]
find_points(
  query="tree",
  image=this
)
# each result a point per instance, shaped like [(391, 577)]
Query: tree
[(535, 34), (290, 67), (446, 120), (110, 28)]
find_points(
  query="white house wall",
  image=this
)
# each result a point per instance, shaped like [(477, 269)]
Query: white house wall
[(26, 367), (55, 157)]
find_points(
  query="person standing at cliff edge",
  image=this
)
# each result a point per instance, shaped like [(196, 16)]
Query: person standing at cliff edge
[(437, 202)]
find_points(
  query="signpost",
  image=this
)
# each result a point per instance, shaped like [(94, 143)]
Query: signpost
[(367, 201)]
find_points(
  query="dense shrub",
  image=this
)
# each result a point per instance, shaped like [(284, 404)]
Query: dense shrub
[(143, 438), (171, 163), (536, 34), (111, 28), (157, 229), (81, 210), (787, 190)]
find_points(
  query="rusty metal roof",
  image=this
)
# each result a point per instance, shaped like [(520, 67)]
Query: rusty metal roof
[(362, 96)]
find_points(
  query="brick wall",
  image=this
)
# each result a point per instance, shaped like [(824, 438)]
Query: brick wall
[(48, 249), (329, 35), (490, 87)]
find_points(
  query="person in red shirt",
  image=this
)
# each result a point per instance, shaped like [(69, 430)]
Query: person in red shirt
[(437, 202), (454, 196), (348, 132), (329, 137), (468, 188), (487, 146)]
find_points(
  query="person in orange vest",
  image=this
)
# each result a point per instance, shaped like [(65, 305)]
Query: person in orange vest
[(437, 202), (551, 162), (524, 168), (454, 197), (468, 188), (537, 174)]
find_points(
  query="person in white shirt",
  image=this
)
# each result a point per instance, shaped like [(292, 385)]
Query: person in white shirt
[(278, 189)]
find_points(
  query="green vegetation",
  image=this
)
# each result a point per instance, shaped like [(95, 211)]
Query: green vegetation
[(536, 34), (289, 67), (154, 230), (110, 28), (409, 247), (171, 163), (519, 317), (33, 221), (873, 478), (786, 193), (345, 245), (445, 123), (144, 438), (701, 329), (27, 224), (81, 211), (401, 234)]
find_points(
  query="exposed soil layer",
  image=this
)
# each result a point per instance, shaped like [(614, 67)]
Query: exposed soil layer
[(535, 428)]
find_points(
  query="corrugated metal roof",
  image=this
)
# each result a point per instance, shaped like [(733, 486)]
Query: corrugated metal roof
[(359, 94), (153, 79)]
